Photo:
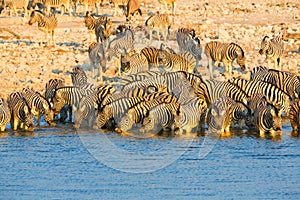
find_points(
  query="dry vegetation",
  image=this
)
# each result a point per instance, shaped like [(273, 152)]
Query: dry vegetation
[(25, 63)]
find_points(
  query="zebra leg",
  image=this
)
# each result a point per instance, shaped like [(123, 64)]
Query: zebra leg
[(52, 38), (38, 119), (210, 65), (96, 6)]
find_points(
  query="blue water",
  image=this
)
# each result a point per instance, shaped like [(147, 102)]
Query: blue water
[(62, 163)]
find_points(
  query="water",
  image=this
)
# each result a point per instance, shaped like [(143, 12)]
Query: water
[(60, 163)]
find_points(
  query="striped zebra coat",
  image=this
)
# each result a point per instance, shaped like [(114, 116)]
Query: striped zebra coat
[(273, 49), (21, 117), (267, 119), (286, 81), (47, 24), (159, 23), (295, 115), (225, 53), (5, 114), (38, 106), (64, 5)]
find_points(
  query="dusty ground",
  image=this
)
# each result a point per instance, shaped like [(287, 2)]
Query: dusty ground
[(24, 63)]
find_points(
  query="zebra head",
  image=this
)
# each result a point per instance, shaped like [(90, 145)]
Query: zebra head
[(35, 16), (28, 119), (277, 120), (265, 43), (126, 122), (216, 119)]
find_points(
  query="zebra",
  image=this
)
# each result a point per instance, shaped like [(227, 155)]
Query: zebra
[(140, 76), (273, 49), (151, 84), (38, 106), (273, 94), (294, 115), (132, 64), (97, 59), (267, 119), (187, 42), (104, 95), (67, 95), (47, 24), (5, 114), (87, 3), (51, 86), (212, 90), (118, 108), (172, 3), (87, 110), (137, 113), (174, 62), (14, 5), (286, 81), (103, 27), (65, 4), (136, 92), (159, 118), (159, 23), (219, 116), (191, 115), (151, 55), (225, 53), (21, 117), (124, 43), (90, 22), (78, 76)]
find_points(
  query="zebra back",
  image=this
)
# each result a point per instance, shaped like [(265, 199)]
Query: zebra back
[(274, 94), (67, 95)]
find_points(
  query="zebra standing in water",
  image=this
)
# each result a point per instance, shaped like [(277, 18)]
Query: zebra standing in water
[(225, 53), (21, 117), (273, 49), (47, 24), (295, 115), (4, 114), (159, 23), (267, 119), (38, 106)]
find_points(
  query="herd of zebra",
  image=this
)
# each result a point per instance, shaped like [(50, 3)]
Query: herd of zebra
[(158, 89), (155, 101)]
